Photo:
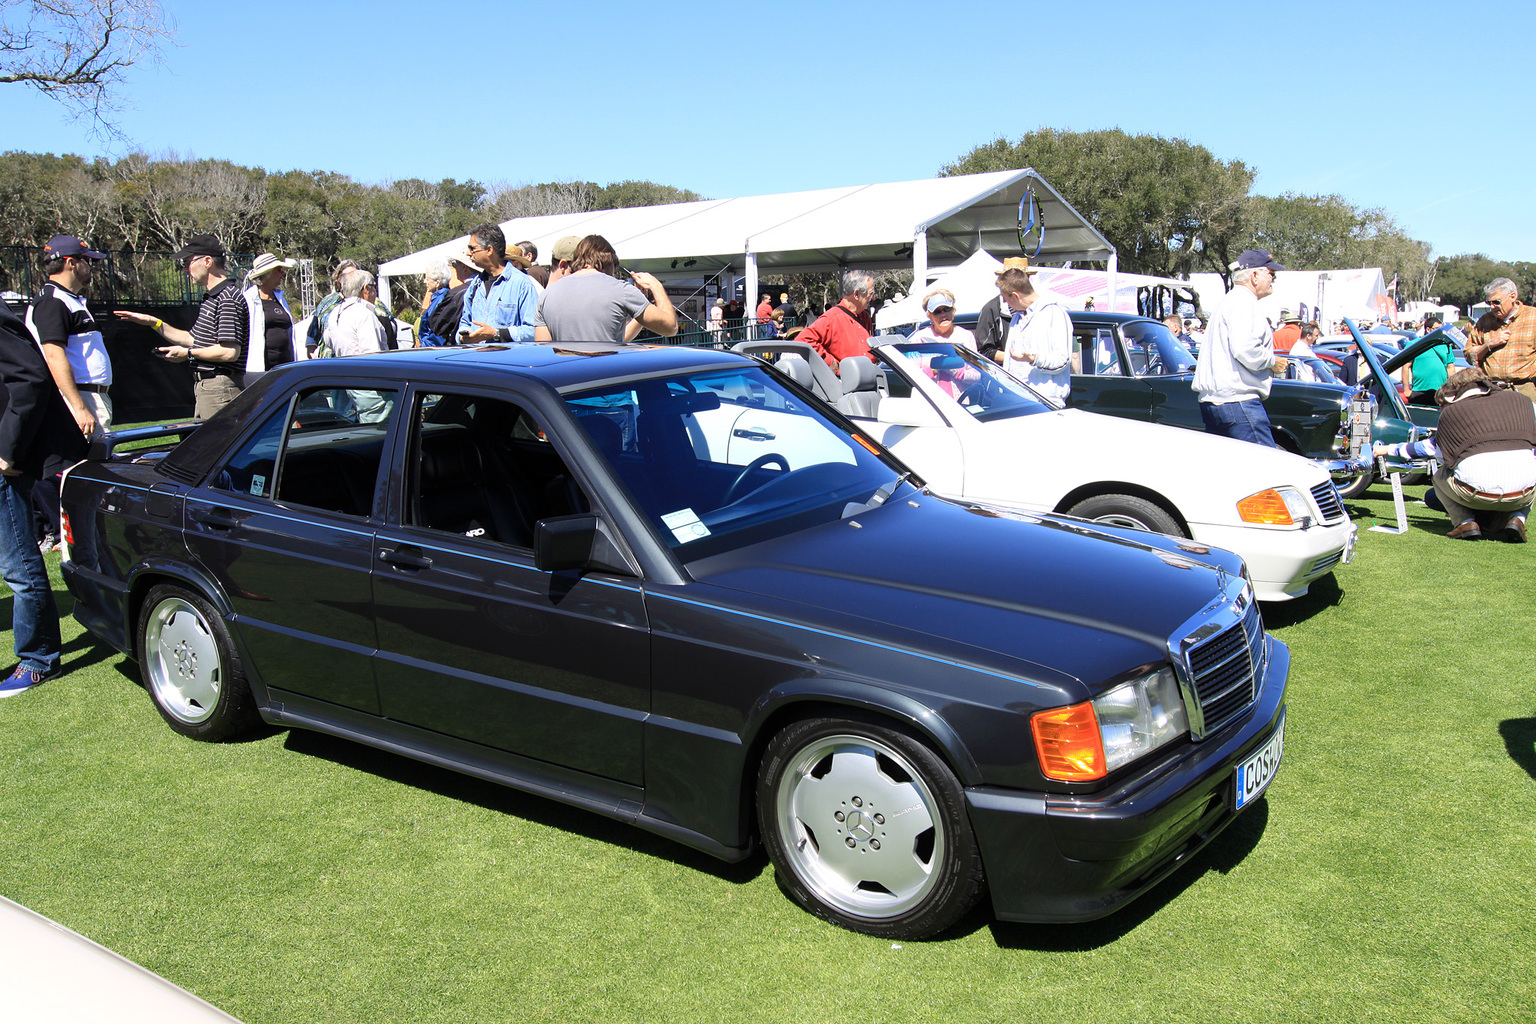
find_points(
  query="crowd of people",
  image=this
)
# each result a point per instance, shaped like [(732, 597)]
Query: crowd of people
[(57, 374)]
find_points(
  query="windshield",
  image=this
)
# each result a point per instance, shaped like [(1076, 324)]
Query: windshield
[(724, 458), (1154, 351), (983, 389)]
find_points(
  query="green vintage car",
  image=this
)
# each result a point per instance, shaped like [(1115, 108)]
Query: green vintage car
[(1396, 421), (1133, 366)]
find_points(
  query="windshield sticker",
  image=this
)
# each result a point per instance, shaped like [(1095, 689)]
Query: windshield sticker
[(685, 525), (258, 484)]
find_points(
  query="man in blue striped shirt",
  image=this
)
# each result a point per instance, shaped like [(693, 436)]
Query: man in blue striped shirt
[(502, 302)]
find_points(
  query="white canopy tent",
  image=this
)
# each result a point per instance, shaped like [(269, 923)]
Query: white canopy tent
[(974, 282), (1321, 295), (934, 222)]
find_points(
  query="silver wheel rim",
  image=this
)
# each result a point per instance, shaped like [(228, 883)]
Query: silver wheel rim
[(861, 828), (1124, 521), (182, 661)]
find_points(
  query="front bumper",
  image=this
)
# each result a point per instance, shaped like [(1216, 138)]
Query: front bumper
[(1283, 563), (1051, 857), (1344, 470)]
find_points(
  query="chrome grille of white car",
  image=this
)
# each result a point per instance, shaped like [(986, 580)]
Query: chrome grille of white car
[(1327, 497)]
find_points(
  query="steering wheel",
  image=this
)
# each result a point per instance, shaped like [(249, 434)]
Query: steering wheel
[(974, 395), (752, 467)]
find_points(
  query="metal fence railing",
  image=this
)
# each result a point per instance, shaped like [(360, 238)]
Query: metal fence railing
[(123, 278), (699, 335)]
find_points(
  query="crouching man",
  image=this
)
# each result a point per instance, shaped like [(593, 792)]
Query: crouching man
[(1486, 444)]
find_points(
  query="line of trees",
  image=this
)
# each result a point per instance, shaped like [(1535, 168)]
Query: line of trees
[(142, 203), (1170, 208)]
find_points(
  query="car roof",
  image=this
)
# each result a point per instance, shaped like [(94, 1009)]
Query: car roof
[(560, 365)]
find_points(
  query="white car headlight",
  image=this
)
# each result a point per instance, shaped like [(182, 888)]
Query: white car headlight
[(1278, 506)]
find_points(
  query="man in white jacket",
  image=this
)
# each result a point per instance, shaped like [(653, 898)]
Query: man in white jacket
[(1238, 361), (1039, 348)]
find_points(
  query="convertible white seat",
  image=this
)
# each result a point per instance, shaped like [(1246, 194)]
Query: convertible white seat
[(796, 369), (861, 381)]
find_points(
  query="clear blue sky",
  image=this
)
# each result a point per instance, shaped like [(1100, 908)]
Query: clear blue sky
[(733, 100)]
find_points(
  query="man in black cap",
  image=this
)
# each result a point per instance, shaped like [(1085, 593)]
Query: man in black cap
[(217, 342), (71, 341), (38, 436), (1238, 361)]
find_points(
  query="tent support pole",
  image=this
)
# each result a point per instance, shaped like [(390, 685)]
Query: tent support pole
[(749, 295), (920, 262), (1113, 265), (383, 294)]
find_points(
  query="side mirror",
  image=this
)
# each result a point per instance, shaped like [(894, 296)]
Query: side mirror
[(579, 542)]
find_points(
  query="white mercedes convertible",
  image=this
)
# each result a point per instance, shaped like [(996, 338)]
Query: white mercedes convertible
[(973, 431)]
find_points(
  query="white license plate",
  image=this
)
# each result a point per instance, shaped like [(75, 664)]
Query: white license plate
[(1254, 774)]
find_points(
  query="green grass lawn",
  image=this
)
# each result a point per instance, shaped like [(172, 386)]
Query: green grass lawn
[(1387, 876)]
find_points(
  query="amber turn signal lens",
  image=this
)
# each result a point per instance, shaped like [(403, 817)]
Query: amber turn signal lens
[(1068, 744), (1266, 507), (870, 445)]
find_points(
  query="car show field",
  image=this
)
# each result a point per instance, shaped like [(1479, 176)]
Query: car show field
[(294, 876)]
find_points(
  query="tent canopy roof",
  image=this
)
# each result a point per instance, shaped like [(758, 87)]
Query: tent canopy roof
[(867, 226)]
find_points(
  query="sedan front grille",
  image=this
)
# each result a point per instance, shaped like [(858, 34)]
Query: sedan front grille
[(1224, 670), (1327, 497)]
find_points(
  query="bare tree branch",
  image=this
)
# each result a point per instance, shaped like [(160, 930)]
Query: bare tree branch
[(76, 50)]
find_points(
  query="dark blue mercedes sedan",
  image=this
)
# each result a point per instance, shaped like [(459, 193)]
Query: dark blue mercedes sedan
[(673, 587)]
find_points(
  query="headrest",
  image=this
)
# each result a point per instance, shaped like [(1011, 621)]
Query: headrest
[(858, 373), (448, 459), (796, 369)]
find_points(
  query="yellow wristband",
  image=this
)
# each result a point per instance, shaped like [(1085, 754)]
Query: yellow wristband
[(159, 324)]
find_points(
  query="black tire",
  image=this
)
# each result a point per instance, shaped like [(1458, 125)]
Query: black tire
[(1129, 511), (191, 668), (822, 792)]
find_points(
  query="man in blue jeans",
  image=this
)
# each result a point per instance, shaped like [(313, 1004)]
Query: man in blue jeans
[(38, 436), (1238, 361)]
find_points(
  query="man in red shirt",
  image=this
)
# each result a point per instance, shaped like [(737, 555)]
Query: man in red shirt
[(764, 316), (844, 330), (1289, 331)]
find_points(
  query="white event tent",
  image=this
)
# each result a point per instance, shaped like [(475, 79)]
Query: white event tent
[(1321, 295), (934, 222), (974, 282)]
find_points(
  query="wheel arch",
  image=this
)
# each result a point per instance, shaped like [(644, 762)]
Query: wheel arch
[(859, 702), (149, 575), (1099, 488)]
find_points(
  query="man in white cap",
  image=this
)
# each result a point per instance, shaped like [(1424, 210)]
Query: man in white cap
[(1238, 361)]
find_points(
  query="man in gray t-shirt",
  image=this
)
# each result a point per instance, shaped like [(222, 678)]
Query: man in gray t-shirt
[(590, 303), (589, 307)]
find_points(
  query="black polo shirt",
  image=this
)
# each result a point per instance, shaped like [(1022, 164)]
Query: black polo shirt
[(222, 319)]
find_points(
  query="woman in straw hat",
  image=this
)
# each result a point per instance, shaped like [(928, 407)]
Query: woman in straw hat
[(271, 321)]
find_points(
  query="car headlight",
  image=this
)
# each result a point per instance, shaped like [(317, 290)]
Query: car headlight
[(1278, 506), (1089, 740)]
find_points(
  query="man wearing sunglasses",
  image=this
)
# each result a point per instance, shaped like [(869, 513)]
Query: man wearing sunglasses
[(1503, 341), (215, 346)]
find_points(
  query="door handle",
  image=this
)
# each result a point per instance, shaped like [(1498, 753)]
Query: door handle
[(753, 435), (217, 518), (402, 559)]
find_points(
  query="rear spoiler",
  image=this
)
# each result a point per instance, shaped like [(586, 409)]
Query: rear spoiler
[(104, 446)]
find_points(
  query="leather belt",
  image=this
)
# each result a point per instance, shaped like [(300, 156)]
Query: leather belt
[(99, 389), (1496, 496)]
